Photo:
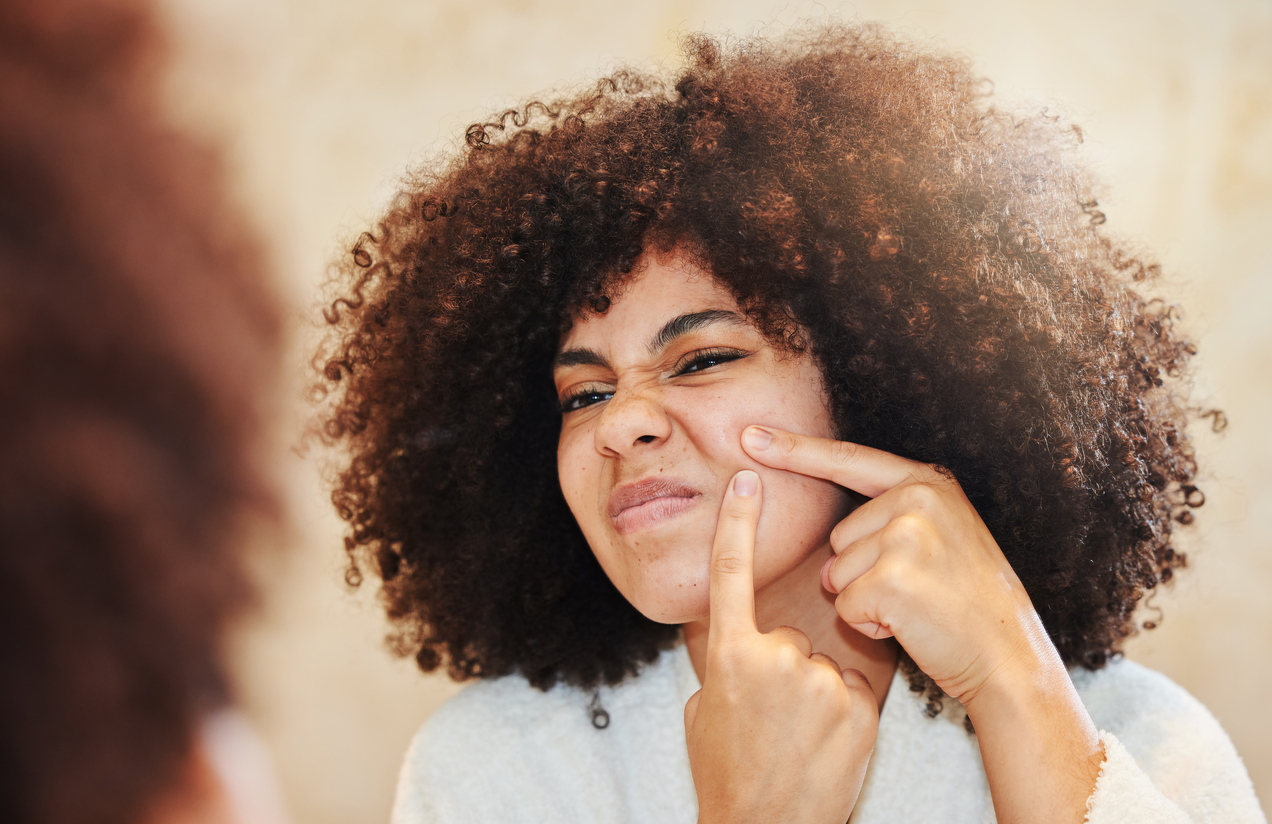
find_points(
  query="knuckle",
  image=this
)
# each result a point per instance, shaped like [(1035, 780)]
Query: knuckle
[(788, 658), (791, 634), (843, 453), (843, 605), (728, 563), (843, 601), (797, 635), (892, 577), (839, 536), (830, 663), (826, 685), (855, 680), (904, 531), (920, 496)]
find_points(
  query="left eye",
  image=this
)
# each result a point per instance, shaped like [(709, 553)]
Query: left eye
[(581, 400), (699, 361)]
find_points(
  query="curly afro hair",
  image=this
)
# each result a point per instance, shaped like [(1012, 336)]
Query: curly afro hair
[(942, 260), (138, 342)]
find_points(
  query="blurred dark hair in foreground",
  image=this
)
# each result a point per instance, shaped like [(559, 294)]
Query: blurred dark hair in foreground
[(137, 337)]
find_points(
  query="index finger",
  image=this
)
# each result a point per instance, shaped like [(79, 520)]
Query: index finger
[(863, 469), (732, 598)]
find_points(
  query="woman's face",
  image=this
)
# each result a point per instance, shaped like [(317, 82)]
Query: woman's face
[(656, 393)]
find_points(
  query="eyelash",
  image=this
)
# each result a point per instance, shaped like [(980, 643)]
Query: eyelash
[(718, 354), (573, 403), (689, 364)]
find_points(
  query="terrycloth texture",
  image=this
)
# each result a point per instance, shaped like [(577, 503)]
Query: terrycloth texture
[(1123, 792), (504, 751)]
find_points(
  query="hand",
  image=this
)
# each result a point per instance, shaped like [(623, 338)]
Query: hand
[(918, 563), (777, 733), (915, 562)]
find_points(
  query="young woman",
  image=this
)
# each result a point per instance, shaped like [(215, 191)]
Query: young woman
[(735, 428)]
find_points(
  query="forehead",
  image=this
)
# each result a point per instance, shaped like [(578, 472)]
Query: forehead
[(663, 288)]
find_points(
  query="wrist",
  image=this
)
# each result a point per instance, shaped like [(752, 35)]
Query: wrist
[(1040, 748), (1016, 667), (1029, 697)]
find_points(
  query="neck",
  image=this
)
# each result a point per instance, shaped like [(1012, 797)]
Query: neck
[(798, 600)]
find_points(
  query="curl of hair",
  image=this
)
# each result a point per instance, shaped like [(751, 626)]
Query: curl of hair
[(943, 261)]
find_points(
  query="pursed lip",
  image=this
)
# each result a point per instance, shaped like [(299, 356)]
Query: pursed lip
[(642, 504)]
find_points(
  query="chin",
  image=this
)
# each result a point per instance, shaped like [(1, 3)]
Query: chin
[(682, 606), (669, 590)]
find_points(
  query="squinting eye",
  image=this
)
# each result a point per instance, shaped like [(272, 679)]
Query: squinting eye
[(579, 400), (705, 359)]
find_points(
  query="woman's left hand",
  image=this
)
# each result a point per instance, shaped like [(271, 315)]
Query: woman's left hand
[(917, 562)]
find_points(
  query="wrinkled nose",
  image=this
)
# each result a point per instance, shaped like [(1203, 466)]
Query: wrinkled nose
[(631, 420)]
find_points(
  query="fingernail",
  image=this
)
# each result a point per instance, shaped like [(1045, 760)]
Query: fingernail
[(825, 574), (757, 438), (745, 484)]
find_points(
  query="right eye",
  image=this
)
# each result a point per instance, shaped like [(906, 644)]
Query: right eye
[(583, 398)]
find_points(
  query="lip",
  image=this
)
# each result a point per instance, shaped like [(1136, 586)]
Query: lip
[(643, 504)]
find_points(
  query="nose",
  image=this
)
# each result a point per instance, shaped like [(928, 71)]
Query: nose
[(634, 418)]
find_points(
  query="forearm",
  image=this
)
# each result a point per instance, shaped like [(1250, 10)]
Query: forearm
[(1041, 750)]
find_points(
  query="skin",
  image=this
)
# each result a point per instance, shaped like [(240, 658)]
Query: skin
[(790, 598), (642, 416), (917, 563)]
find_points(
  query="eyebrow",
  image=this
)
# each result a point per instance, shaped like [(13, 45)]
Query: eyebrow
[(672, 329)]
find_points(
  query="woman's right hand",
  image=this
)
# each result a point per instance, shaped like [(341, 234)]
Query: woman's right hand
[(777, 733)]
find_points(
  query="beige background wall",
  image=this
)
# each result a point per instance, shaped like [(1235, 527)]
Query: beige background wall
[(324, 103)]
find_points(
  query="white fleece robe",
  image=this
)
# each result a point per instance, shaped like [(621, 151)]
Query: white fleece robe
[(504, 751)]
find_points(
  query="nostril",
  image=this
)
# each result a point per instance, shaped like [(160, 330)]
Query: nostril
[(646, 439)]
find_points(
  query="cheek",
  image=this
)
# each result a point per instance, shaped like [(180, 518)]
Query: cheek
[(581, 472), (798, 511), (797, 518), (793, 401), (578, 478)]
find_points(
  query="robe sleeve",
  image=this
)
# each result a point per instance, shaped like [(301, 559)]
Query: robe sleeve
[(1203, 781)]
